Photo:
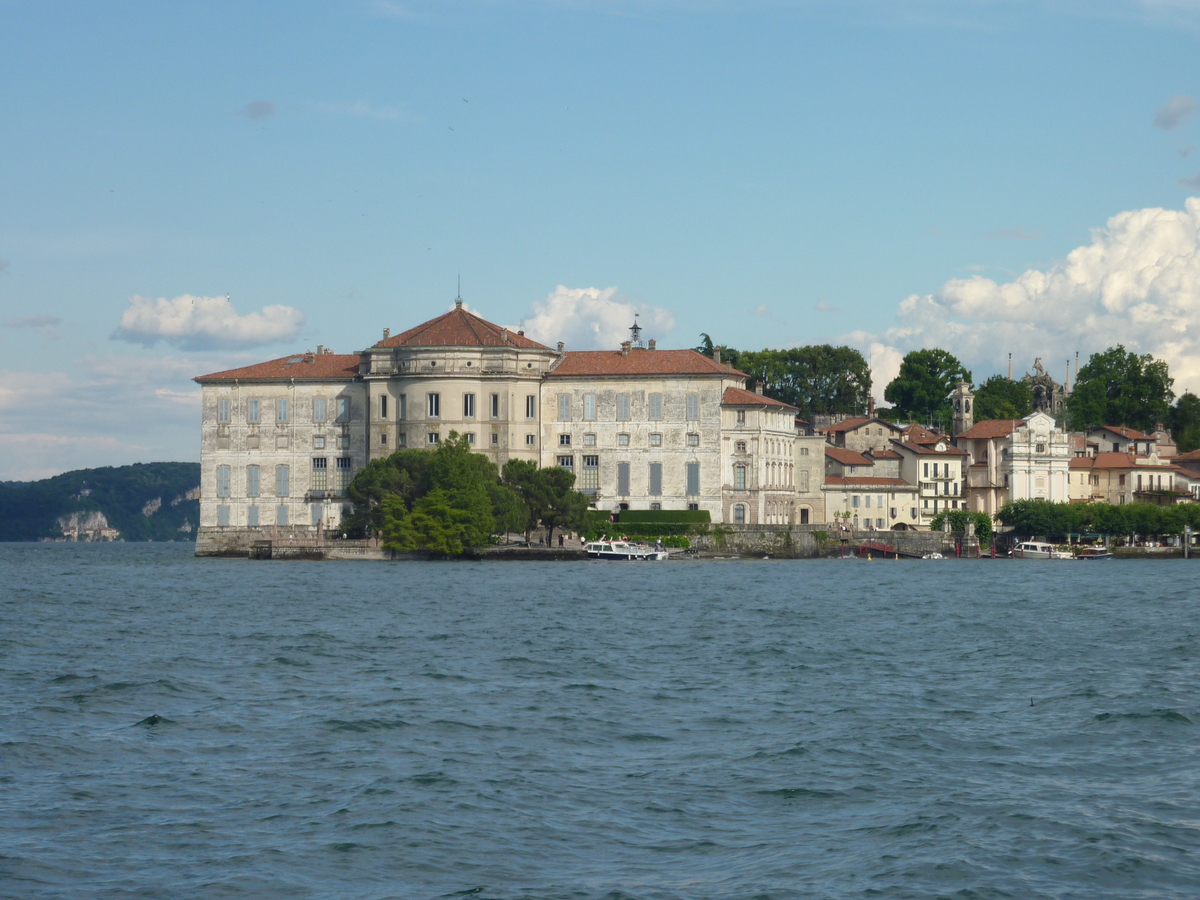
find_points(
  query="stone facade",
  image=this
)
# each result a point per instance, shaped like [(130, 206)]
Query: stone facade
[(1038, 456)]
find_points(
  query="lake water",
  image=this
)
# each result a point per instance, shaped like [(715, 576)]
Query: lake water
[(783, 729)]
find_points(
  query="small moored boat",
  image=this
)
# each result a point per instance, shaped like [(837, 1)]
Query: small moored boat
[(1094, 553), (623, 550), (1038, 550)]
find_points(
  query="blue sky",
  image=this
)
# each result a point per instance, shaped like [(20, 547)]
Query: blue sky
[(989, 177)]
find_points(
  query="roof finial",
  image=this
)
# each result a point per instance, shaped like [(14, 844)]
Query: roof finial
[(458, 299), (635, 331)]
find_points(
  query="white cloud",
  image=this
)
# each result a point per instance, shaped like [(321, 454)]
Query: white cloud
[(204, 323), (1137, 283), (592, 319), (1173, 113)]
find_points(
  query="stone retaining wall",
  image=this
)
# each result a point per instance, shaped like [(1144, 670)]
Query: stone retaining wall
[(813, 541)]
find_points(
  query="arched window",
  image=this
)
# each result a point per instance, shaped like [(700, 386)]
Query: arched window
[(739, 514)]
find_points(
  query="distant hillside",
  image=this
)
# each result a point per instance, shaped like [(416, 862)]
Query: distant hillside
[(143, 502)]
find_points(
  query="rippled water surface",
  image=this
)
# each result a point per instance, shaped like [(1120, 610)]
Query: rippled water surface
[(177, 728)]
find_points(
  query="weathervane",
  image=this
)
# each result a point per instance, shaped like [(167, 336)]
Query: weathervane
[(458, 299), (635, 331)]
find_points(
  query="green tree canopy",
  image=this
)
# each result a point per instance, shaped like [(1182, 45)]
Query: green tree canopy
[(818, 379), (1041, 517), (1002, 398), (1185, 422), (1117, 387), (922, 389)]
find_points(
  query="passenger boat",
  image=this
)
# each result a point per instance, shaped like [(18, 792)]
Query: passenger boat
[(1094, 553), (1038, 550), (623, 550)]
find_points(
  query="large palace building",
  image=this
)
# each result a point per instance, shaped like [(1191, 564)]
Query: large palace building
[(641, 428)]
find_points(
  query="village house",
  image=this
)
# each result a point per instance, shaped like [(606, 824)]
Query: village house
[(936, 468), (865, 498), (861, 433)]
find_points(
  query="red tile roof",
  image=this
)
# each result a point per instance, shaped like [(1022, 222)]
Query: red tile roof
[(459, 328), (866, 481), (300, 366), (847, 457), (737, 397), (919, 434), (928, 449), (1130, 434), (992, 428), (1194, 454), (857, 422), (886, 454), (598, 363)]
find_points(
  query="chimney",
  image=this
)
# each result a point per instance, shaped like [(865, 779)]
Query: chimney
[(652, 344), (387, 333), (871, 406), (717, 355), (504, 335), (521, 332), (320, 349), (758, 388), (625, 347), (561, 346)]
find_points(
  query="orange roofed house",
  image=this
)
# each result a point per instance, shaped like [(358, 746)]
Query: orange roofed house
[(641, 428)]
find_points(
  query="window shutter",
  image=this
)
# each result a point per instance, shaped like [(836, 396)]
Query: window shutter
[(656, 479), (623, 479), (693, 479)]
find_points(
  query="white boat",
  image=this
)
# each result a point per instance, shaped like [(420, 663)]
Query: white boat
[(1038, 550), (1094, 553), (623, 550)]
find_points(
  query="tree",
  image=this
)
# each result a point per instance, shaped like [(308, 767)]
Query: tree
[(1117, 387), (404, 474), (1002, 398), (565, 507), (818, 379), (1185, 422), (922, 389), (958, 523)]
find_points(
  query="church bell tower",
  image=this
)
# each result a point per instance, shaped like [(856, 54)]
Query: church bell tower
[(963, 402)]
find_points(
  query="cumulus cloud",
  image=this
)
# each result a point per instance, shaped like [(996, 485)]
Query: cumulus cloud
[(1137, 283), (1172, 113), (592, 319), (258, 110), (204, 323)]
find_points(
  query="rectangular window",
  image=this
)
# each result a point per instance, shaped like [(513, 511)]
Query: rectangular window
[(804, 480), (343, 442), (495, 399), (252, 516), (383, 407), (589, 440), (402, 401), (432, 438), (564, 407), (656, 506), (693, 406), (383, 439), (741, 417), (739, 478), (281, 517), (879, 523), (926, 470), (566, 462), (693, 506), (530, 406), (623, 479), (402, 440), (471, 438), (433, 405), (222, 481), (495, 440), (739, 514), (343, 409), (589, 407), (222, 410), (319, 442), (564, 440), (281, 481), (318, 409), (530, 440), (622, 407), (855, 501), (343, 472), (320, 474), (656, 406), (252, 411), (468, 406), (622, 440), (655, 479), (281, 409), (656, 440), (315, 512), (223, 516), (590, 482), (693, 439), (693, 478), (251, 481)]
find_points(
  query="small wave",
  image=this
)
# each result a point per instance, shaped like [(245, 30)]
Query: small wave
[(68, 678), (284, 661), (644, 736), (432, 778), (151, 721), (1166, 715), (802, 794), (360, 726)]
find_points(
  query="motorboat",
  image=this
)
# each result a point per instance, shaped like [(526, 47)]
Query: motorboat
[(623, 550), (1094, 553), (1039, 550)]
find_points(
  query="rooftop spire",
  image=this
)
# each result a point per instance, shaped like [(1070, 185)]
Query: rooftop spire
[(458, 299), (635, 332)]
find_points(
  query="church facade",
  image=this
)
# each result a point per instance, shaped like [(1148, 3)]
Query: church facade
[(641, 428)]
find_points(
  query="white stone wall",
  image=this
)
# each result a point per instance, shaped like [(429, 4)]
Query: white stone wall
[(809, 477), (868, 504), (769, 458), (270, 443), (932, 495), (1038, 461)]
